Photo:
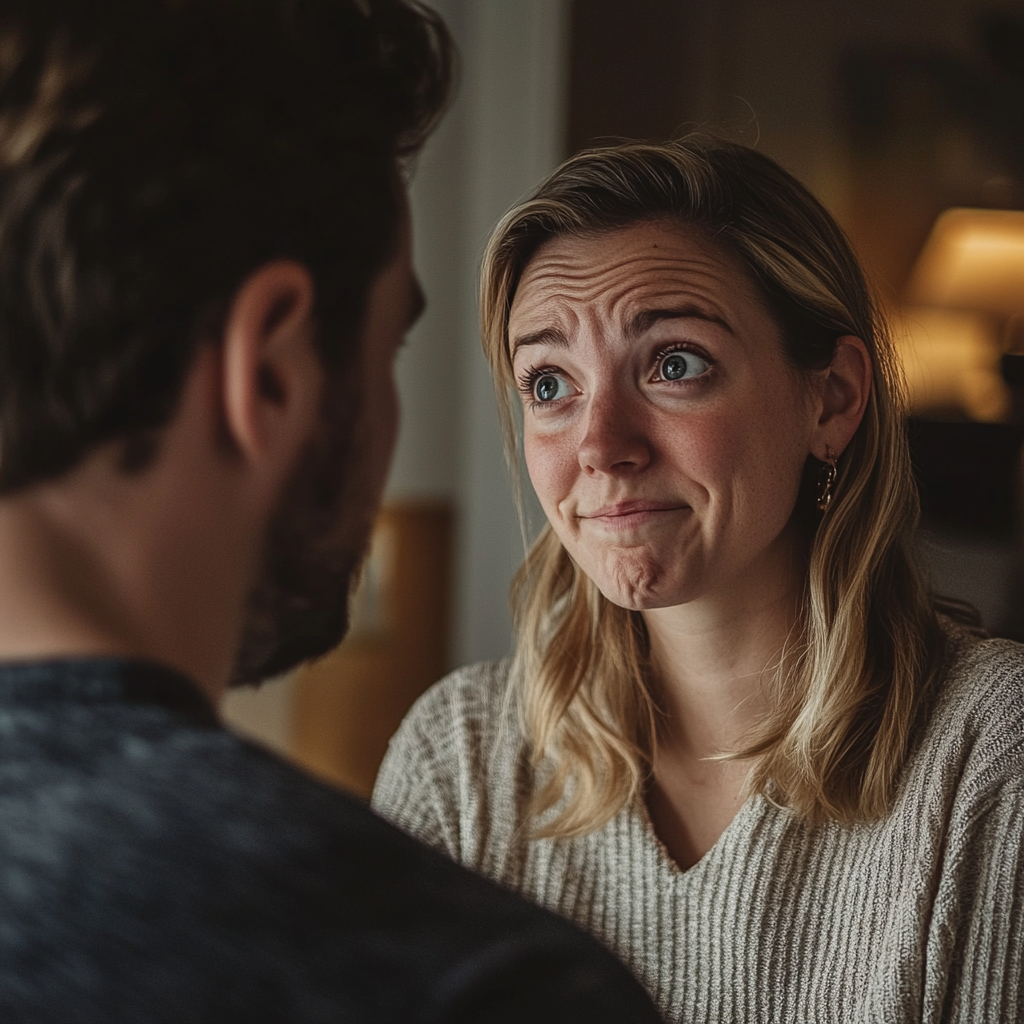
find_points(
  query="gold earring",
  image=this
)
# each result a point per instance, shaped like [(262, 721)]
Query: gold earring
[(826, 479)]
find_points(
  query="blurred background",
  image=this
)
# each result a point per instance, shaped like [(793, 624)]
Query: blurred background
[(905, 117)]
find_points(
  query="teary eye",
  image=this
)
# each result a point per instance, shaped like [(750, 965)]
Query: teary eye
[(681, 364)]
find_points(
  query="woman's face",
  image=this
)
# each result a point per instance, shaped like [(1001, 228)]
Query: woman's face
[(665, 432)]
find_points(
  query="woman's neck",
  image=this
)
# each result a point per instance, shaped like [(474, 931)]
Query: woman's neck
[(711, 662), (709, 678)]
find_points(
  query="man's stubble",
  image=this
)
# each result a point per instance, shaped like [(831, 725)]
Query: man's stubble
[(316, 543)]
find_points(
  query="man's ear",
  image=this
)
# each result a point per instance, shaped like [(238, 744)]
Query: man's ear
[(272, 376), (844, 397)]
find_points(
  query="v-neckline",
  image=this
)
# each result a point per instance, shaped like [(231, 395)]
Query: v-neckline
[(653, 840)]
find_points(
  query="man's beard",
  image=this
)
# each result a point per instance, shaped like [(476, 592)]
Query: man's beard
[(316, 543)]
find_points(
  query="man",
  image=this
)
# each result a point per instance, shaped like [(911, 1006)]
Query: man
[(204, 275)]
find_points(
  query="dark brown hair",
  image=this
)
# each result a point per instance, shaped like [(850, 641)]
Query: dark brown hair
[(152, 154)]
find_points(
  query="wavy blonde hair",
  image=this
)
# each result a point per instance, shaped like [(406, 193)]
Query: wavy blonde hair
[(849, 686)]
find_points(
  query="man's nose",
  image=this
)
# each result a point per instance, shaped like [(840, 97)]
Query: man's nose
[(614, 438)]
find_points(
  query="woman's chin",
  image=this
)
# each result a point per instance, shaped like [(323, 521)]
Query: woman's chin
[(641, 591)]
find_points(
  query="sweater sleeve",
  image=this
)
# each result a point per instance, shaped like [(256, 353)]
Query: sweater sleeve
[(413, 788), (974, 962), (988, 975)]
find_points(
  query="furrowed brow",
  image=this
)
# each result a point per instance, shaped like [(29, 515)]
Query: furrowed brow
[(646, 319), (548, 336)]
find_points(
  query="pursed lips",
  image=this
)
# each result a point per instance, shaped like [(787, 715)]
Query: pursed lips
[(630, 512)]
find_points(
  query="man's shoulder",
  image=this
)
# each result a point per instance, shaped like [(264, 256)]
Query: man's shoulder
[(225, 817), (141, 835)]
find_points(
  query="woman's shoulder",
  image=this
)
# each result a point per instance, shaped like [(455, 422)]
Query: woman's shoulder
[(463, 726), (980, 703), (473, 701), (455, 759), (981, 668)]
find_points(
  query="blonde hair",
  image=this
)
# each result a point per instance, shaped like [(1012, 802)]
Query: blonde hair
[(850, 684)]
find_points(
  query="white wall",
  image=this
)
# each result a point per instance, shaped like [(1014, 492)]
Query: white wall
[(504, 133)]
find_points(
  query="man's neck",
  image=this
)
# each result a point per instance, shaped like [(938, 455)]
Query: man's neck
[(97, 563), (54, 601)]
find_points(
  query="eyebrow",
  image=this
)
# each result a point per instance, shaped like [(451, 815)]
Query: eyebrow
[(548, 336), (637, 326), (645, 320)]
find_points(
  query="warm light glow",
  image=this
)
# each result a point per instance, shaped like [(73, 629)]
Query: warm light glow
[(951, 361), (973, 260)]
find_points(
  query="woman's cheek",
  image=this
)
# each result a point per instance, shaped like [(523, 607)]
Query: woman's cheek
[(552, 464)]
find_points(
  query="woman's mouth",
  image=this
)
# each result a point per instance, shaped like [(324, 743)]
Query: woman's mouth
[(630, 514)]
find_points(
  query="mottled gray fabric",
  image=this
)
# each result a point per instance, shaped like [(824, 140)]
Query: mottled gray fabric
[(919, 917), (156, 868)]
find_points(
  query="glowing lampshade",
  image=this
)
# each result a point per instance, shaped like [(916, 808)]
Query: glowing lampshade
[(951, 362), (973, 259)]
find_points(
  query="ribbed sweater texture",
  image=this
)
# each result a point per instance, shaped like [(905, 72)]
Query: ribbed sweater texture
[(917, 917)]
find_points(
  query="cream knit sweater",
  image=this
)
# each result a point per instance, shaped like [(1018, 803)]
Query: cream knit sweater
[(919, 917)]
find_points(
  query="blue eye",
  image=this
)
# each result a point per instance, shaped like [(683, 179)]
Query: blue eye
[(547, 387), (681, 365)]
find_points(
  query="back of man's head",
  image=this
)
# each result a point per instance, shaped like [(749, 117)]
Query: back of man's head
[(155, 152)]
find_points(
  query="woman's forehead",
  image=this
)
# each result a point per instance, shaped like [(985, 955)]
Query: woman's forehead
[(614, 273)]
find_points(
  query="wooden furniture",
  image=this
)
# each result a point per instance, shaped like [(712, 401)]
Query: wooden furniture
[(349, 703)]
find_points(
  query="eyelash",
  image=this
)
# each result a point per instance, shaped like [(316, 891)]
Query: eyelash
[(527, 380)]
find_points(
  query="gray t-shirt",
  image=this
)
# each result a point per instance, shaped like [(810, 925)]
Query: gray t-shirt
[(918, 917)]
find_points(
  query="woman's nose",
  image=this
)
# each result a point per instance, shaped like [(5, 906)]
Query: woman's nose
[(614, 439)]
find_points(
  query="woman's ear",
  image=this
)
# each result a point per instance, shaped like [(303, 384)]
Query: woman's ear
[(844, 396), (271, 374)]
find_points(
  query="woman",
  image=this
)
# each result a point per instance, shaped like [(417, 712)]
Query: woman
[(738, 741)]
